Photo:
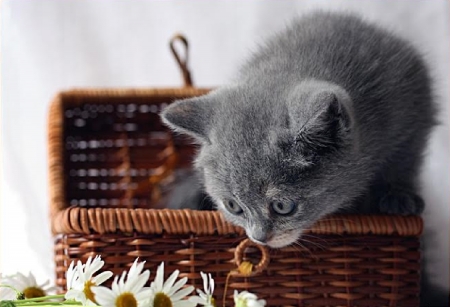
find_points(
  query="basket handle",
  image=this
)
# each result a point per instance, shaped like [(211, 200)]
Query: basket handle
[(239, 255), (182, 63)]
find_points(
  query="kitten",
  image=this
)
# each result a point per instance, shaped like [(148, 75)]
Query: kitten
[(331, 114)]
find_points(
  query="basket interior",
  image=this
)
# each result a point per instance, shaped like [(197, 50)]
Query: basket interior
[(116, 151)]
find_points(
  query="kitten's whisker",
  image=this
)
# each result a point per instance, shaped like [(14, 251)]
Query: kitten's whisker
[(322, 247), (311, 254), (332, 233), (315, 237), (297, 248)]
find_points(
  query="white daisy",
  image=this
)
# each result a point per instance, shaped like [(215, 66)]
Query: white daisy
[(168, 294), (126, 293), (205, 298), (28, 285), (247, 299), (80, 280)]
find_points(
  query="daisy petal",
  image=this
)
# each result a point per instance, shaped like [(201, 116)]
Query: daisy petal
[(197, 300), (205, 281), (140, 282), (200, 292), (145, 294), (103, 295), (21, 281), (184, 303), (102, 277), (80, 272), (46, 283), (51, 289), (182, 293), (70, 275), (115, 287), (211, 284), (177, 286), (32, 279), (88, 262), (70, 294), (97, 265), (159, 279), (169, 282), (7, 294), (136, 269)]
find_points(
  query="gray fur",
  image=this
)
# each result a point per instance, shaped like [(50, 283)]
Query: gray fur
[(331, 114)]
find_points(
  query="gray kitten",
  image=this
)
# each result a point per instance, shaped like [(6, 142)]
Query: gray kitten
[(331, 114)]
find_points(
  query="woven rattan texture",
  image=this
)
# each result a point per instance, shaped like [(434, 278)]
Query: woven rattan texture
[(322, 271), (109, 158)]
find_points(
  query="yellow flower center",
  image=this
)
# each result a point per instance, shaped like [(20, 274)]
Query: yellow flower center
[(88, 291), (162, 300), (33, 292), (213, 302), (126, 299)]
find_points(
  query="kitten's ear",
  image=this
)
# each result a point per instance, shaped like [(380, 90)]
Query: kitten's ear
[(324, 122), (191, 116), (332, 112)]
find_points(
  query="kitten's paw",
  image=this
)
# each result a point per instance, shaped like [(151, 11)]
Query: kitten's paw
[(402, 203)]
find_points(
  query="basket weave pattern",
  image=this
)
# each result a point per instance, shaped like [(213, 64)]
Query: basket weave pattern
[(109, 157)]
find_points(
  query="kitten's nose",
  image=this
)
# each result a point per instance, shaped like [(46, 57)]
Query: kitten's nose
[(260, 237), (259, 240)]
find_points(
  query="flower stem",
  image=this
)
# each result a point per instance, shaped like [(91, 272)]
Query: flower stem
[(226, 287), (40, 299), (46, 303)]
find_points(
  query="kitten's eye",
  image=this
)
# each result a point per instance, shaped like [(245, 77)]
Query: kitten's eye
[(282, 208), (233, 207)]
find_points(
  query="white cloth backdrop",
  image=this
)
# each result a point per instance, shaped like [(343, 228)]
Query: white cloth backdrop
[(48, 46)]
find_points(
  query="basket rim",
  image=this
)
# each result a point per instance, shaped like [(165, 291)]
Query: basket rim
[(192, 222), (72, 220), (130, 91)]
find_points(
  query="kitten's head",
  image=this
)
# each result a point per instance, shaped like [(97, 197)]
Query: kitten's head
[(272, 161)]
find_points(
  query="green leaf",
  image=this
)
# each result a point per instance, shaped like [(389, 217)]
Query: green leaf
[(7, 304)]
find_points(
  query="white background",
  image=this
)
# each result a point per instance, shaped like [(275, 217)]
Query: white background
[(48, 46)]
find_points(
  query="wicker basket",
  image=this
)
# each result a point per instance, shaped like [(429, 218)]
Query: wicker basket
[(110, 158)]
